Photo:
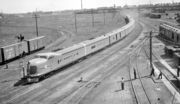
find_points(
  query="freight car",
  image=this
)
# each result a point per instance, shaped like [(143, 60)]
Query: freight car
[(44, 63), (155, 15), (14, 51), (170, 32)]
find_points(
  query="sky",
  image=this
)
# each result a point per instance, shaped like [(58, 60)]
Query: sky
[(22, 6)]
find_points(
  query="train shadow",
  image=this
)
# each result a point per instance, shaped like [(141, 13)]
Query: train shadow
[(21, 82), (176, 83)]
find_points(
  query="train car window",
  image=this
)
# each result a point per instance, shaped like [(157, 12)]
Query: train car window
[(50, 57), (43, 57), (59, 61), (93, 46), (67, 57), (33, 70), (38, 56)]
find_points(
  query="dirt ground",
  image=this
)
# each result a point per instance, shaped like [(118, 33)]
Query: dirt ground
[(52, 26)]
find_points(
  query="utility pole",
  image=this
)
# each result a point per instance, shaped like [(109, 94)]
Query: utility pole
[(150, 49), (104, 16), (150, 2), (81, 5), (1, 21), (36, 17), (75, 21), (0, 24), (92, 17)]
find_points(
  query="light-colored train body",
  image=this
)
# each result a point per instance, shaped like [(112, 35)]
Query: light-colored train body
[(44, 63)]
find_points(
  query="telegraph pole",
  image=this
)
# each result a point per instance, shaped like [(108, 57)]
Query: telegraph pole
[(150, 49), (1, 20), (36, 17), (81, 5), (92, 17), (104, 16), (75, 21), (0, 24)]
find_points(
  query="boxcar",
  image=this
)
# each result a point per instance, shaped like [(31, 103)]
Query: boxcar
[(12, 51), (36, 43), (169, 32)]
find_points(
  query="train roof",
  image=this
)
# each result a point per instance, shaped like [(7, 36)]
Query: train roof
[(69, 49), (95, 39), (170, 27), (12, 44), (48, 54), (36, 38)]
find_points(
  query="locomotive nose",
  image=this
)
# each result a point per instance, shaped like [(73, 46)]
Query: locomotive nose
[(34, 65), (37, 61)]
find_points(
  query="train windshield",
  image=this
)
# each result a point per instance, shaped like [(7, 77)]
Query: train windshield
[(32, 70), (41, 56)]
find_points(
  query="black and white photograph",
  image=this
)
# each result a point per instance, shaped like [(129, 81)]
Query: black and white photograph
[(89, 51)]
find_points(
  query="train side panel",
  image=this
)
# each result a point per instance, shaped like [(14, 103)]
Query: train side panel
[(25, 47), (33, 45), (13, 51), (96, 44), (9, 52), (36, 43), (20, 48), (72, 56), (123, 33), (65, 57), (113, 38), (118, 36), (41, 42)]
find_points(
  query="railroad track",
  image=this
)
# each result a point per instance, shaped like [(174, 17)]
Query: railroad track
[(77, 70), (137, 84), (79, 95), (168, 76)]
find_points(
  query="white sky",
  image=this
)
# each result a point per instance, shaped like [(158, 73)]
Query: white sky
[(19, 6)]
